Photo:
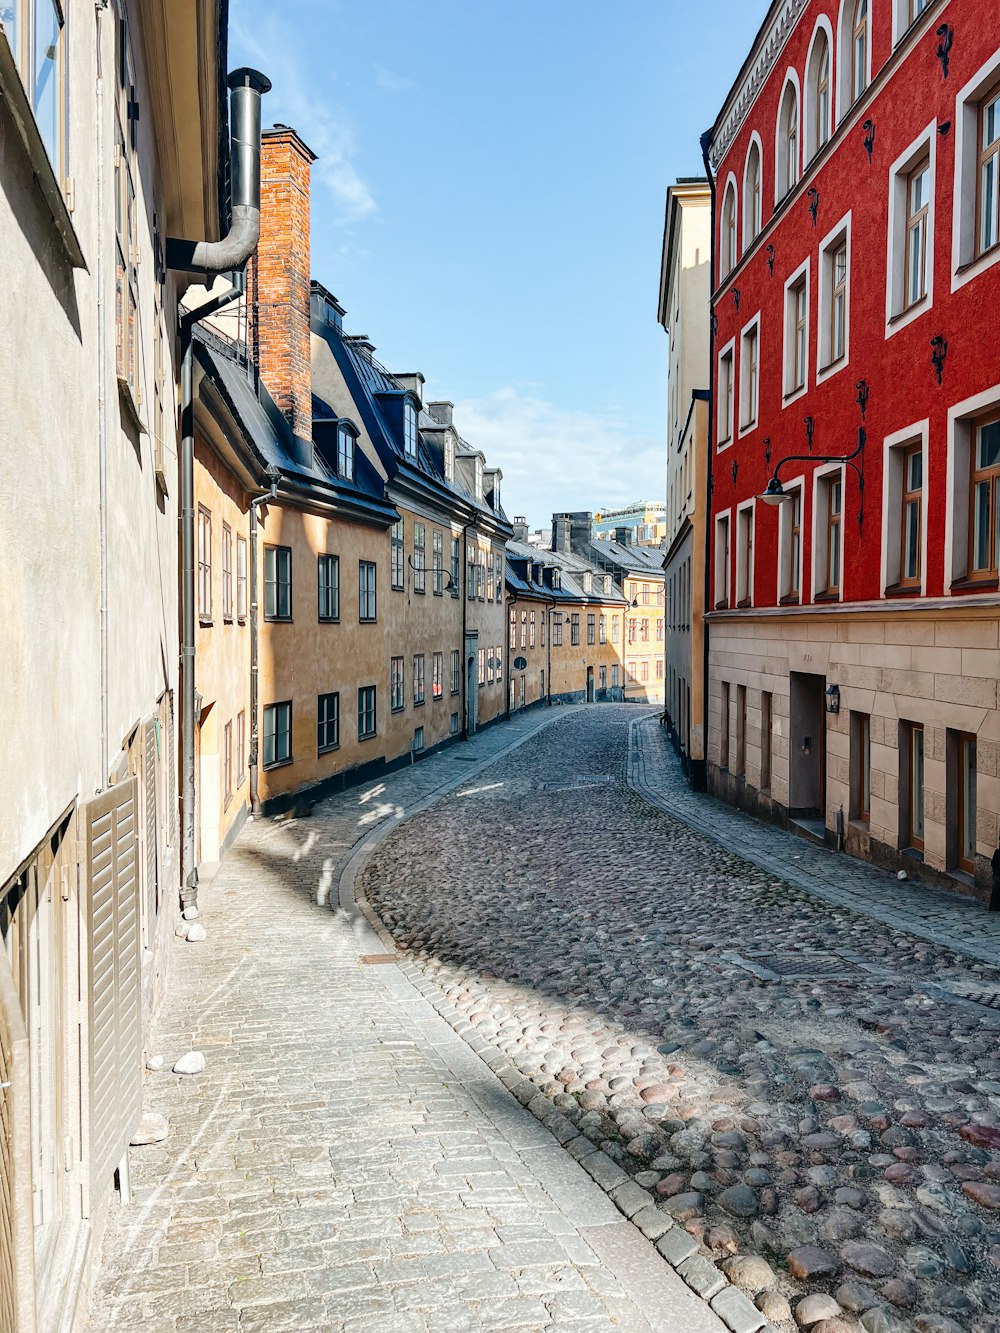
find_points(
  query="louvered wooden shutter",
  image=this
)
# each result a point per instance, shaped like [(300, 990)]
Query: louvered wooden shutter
[(17, 1238), (149, 827), (115, 1030)]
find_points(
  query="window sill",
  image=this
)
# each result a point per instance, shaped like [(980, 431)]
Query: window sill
[(329, 620), (975, 585), (419, 703), (826, 597), (838, 363), (368, 736), (277, 763), (367, 620), (903, 590), (240, 781), (206, 622), (13, 93), (399, 708), (792, 394), (241, 620), (327, 749), (227, 620), (992, 253), (277, 620)]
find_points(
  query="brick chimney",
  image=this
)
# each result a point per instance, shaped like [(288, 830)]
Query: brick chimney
[(282, 290)]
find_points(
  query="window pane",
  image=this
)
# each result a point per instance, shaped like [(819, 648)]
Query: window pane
[(981, 539), (917, 787), (969, 800), (988, 226), (45, 99), (912, 539), (914, 479), (989, 445)]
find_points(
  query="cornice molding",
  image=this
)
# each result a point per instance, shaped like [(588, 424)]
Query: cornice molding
[(743, 95)]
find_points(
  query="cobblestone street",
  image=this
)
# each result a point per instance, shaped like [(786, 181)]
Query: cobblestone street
[(797, 1104), (806, 1084)]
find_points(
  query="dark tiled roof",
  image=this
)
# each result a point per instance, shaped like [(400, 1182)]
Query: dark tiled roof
[(270, 436)]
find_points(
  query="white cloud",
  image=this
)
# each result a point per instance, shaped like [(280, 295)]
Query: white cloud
[(280, 49), (553, 458), (392, 83)]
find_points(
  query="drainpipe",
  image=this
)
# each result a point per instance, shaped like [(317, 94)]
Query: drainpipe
[(510, 661), (550, 607), (465, 630), (706, 140), (102, 409), (210, 258), (274, 475)]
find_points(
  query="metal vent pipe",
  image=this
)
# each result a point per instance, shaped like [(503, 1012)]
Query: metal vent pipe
[(246, 87)]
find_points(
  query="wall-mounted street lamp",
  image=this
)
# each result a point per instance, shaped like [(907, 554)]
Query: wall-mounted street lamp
[(833, 698), (774, 493)]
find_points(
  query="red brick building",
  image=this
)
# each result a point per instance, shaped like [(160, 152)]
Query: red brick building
[(854, 623)]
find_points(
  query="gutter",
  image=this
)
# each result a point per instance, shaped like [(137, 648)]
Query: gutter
[(465, 632), (706, 141), (210, 258)]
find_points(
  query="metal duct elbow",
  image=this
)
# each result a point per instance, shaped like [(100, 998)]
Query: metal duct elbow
[(246, 86)]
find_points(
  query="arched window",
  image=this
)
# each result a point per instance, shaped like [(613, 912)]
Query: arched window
[(727, 254), (751, 195), (818, 91), (787, 154), (859, 50)]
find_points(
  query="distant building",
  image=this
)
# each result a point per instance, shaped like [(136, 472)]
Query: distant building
[(640, 524), (565, 625), (685, 284), (638, 572)]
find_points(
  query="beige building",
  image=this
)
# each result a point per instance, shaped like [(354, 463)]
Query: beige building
[(94, 188), (375, 545), (565, 627), (685, 284)]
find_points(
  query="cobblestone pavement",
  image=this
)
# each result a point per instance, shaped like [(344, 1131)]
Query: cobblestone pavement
[(801, 1084), (932, 914), (345, 1161)]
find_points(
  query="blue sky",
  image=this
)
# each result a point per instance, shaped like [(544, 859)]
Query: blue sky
[(488, 205)]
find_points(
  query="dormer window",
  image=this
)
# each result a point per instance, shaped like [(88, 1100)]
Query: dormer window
[(479, 478), (557, 580), (345, 453), (449, 459), (496, 492), (410, 429)]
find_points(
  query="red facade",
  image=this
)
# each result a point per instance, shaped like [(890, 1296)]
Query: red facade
[(920, 74)]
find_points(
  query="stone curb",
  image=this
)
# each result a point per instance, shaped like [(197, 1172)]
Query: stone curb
[(704, 1278)]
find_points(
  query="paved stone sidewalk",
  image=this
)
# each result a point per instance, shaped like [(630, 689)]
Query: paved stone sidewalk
[(843, 881), (345, 1161)]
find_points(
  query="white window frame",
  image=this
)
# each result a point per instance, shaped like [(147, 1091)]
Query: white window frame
[(894, 447), (790, 394), (752, 226), (901, 24), (749, 424), (961, 419), (825, 368), (965, 265), (411, 428), (785, 511), (745, 513), (844, 63), (819, 526), (896, 318), (729, 248), (726, 353), (782, 186), (810, 149), (721, 594)]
